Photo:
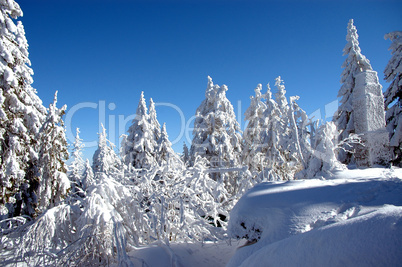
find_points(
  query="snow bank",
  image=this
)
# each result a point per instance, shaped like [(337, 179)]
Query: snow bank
[(184, 254), (373, 239), (355, 219)]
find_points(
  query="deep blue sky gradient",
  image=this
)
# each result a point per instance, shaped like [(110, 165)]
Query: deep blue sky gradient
[(104, 50)]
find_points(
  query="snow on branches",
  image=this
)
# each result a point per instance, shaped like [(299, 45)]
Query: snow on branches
[(150, 193), (362, 107), (393, 95), (21, 117)]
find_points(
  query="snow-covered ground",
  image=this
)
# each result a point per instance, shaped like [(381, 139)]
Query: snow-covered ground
[(182, 254), (352, 220)]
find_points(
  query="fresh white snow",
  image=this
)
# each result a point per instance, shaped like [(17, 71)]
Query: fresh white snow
[(353, 219), (127, 211), (185, 254)]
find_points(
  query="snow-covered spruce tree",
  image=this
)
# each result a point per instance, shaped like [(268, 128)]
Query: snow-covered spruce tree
[(279, 149), (322, 161), (158, 190), (21, 116), (185, 156), (283, 125), (217, 134), (88, 178), (362, 108), (52, 156), (393, 95), (280, 98), (284, 137), (270, 139), (76, 167), (354, 64), (156, 127), (105, 159), (138, 148), (165, 153), (177, 202), (252, 136)]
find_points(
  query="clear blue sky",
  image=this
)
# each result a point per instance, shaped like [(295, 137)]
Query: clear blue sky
[(103, 53)]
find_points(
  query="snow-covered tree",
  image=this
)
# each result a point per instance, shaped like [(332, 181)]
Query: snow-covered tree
[(186, 156), (156, 127), (284, 137), (280, 98), (183, 205), (217, 133), (354, 64), (393, 95), (76, 167), (270, 136), (322, 159), (52, 156), (252, 136), (188, 204), (278, 146), (138, 148), (94, 231), (165, 153), (88, 178), (283, 121), (206, 197), (105, 159), (298, 134), (21, 116), (362, 108)]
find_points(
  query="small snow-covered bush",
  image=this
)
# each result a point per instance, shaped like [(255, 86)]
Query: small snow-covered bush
[(95, 230)]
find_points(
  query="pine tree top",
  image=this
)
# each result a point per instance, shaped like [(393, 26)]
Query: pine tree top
[(102, 137), (164, 134), (280, 95), (142, 106), (355, 61)]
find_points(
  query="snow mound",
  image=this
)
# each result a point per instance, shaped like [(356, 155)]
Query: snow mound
[(184, 254), (354, 219)]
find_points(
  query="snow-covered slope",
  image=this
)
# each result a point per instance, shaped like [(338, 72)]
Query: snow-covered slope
[(185, 254), (354, 219)]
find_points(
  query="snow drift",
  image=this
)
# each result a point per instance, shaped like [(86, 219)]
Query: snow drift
[(354, 219)]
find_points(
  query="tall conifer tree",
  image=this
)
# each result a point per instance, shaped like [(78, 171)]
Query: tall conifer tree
[(52, 156), (252, 137), (138, 148), (21, 116), (354, 64), (217, 134), (105, 159), (76, 167), (156, 127), (393, 95), (165, 153)]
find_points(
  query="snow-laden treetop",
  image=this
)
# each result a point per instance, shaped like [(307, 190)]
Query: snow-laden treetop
[(353, 50)]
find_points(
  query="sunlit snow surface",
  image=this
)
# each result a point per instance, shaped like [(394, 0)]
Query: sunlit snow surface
[(354, 219), (181, 254)]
